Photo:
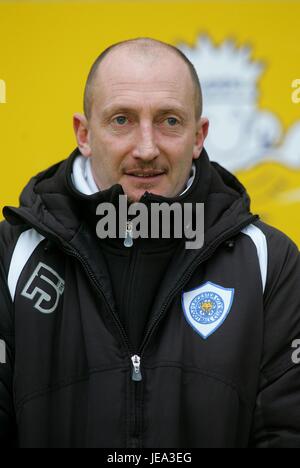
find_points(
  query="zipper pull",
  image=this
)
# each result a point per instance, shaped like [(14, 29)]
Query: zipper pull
[(128, 242), (136, 372)]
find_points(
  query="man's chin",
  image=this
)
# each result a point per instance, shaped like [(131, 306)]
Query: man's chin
[(136, 190), (137, 197)]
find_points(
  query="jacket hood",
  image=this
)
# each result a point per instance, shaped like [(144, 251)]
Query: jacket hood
[(54, 207)]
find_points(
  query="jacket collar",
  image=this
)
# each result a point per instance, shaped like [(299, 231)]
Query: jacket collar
[(81, 186)]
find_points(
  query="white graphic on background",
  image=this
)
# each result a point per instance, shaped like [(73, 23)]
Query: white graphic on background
[(241, 134)]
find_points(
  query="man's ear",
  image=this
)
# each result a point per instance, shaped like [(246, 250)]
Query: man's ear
[(81, 129), (201, 134)]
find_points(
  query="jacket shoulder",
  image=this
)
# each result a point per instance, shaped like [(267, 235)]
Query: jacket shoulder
[(282, 257), (275, 237), (9, 236)]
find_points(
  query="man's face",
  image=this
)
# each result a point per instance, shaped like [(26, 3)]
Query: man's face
[(142, 132)]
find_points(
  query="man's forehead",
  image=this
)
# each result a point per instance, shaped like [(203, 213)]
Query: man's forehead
[(123, 67), (138, 54), (145, 85), (142, 80)]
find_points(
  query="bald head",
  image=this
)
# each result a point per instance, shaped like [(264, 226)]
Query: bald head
[(142, 50)]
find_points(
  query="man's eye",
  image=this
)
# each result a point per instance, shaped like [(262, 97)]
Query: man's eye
[(172, 121), (121, 120)]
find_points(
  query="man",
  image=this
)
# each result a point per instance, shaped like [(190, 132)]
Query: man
[(146, 343)]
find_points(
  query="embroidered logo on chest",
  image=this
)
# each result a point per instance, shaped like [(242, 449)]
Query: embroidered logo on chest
[(207, 307)]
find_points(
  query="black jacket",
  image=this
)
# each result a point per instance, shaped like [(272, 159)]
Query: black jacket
[(213, 352)]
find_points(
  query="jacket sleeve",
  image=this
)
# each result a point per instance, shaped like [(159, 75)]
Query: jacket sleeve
[(8, 433), (276, 422)]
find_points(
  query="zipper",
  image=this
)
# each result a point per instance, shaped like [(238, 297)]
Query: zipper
[(136, 371), (128, 242), (135, 359)]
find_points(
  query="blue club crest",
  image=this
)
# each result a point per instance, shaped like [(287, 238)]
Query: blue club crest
[(207, 307)]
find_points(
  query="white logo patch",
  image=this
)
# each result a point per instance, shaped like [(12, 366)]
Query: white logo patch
[(207, 307), (45, 286)]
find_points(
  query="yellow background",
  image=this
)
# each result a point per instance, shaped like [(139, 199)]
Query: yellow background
[(47, 48)]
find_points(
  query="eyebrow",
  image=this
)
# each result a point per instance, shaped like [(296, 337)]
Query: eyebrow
[(126, 109)]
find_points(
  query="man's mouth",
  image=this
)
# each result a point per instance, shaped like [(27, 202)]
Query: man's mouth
[(148, 175)]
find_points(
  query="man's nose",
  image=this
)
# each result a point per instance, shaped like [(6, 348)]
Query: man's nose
[(146, 147)]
